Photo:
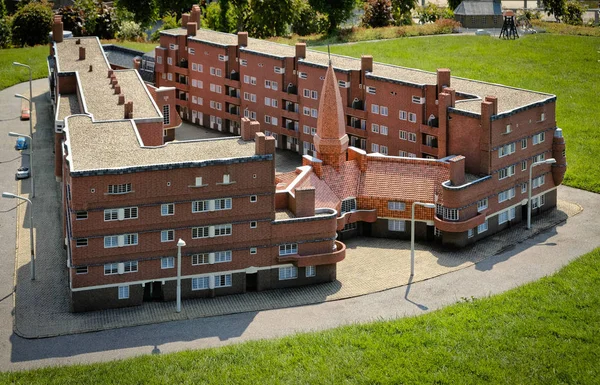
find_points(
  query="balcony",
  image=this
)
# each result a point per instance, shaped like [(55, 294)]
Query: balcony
[(337, 255), (357, 109), (356, 216), (182, 86), (233, 80), (287, 114), (459, 226), (429, 130), (430, 150), (181, 68)]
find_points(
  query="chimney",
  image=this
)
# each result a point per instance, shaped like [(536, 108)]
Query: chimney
[(185, 18), (316, 164), (264, 145), (300, 50), (243, 39), (136, 63), (78, 41), (128, 108), (366, 63), (195, 14), (110, 73), (457, 170), (305, 202), (443, 78), (114, 82), (249, 129), (192, 28), (91, 68), (57, 29), (121, 99), (494, 101), (81, 53), (117, 89)]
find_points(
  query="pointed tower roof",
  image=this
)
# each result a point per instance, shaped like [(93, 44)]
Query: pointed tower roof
[(331, 141)]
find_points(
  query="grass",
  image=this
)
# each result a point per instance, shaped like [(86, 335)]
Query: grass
[(35, 57), (567, 66), (565, 29), (545, 332)]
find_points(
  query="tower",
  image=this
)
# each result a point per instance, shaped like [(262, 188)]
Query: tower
[(509, 29)]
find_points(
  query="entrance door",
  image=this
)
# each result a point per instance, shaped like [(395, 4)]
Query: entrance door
[(252, 282), (153, 291)]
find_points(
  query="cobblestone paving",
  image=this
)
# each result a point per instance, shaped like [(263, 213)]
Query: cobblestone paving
[(371, 265)]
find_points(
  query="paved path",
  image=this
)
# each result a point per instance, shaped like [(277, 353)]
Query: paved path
[(527, 261)]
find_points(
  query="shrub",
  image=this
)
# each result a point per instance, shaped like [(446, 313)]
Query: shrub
[(106, 25), (5, 32), (431, 12), (131, 31), (447, 26), (573, 13), (212, 17), (32, 24), (378, 13), (307, 21), (72, 20)]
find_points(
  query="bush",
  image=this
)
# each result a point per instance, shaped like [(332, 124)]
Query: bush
[(378, 13), (5, 33), (447, 26), (32, 24), (431, 12), (307, 21), (212, 17), (72, 20), (131, 31), (573, 13)]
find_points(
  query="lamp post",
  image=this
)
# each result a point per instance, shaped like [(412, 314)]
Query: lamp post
[(30, 142), (412, 233), (16, 134), (13, 196), (547, 161), (30, 93), (180, 244)]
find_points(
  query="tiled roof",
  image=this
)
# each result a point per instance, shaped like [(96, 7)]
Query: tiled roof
[(479, 8), (344, 182), (331, 123), (324, 195)]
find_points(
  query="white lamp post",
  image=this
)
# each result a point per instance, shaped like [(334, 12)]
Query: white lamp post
[(180, 244), (13, 196), (547, 161), (30, 140), (16, 134), (412, 233)]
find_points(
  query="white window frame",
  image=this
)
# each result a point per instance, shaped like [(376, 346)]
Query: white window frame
[(412, 117), (310, 271), (167, 209), (396, 225), (200, 283), (223, 280), (167, 235), (288, 249), (482, 228), (288, 272), (482, 205), (167, 263), (396, 206), (123, 291)]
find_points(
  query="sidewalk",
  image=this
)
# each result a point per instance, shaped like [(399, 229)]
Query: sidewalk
[(371, 265)]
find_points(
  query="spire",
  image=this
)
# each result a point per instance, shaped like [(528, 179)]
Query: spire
[(331, 141)]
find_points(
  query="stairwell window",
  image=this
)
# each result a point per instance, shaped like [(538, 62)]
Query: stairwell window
[(81, 242), (114, 189), (79, 215)]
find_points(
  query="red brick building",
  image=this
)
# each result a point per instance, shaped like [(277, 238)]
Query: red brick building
[(128, 197)]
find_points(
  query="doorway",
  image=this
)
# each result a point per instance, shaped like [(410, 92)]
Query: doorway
[(252, 282), (153, 291)]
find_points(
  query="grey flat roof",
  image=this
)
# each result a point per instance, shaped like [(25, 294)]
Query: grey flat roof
[(97, 146), (68, 105), (479, 8), (99, 97)]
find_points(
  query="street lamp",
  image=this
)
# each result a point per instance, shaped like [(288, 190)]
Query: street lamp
[(412, 233), (30, 158), (547, 161), (30, 93), (13, 196), (180, 244), (30, 140)]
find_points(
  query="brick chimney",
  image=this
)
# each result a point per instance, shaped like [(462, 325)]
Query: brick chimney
[(121, 99), (57, 29), (91, 68), (81, 53), (242, 39), (110, 73), (195, 14), (249, 129), (114, 82), (315, 163), (117, 89), (192, 28), (366, 63), (128, 110), (300, 50), (494, 101), (185, 18), (264, 145), (304, 202), (457, 170), (443, 78)]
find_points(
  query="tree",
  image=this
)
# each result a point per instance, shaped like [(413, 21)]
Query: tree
[(3, 12), (88, 12), (555, 7), (453, 4), (5, 33), (432, 13), (169, 21), (212, 17), (402, 11), (266, 18), (32, 23), (574, 13), (145, 12), (337, 11), (306, 20), (378, 13)]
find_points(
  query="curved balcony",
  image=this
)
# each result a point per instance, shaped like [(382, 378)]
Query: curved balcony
[(356, 216), (459, 226), (335, 256)]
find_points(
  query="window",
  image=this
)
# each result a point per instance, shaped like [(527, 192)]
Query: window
[(506, 172), (159, 60), (508, 129), (267, 119), (199, 206), (507, 149), (482, 228), (167, 209), (374, 147), (120, 214), (523, 188), (418, 100), (223, 256), (79, 215), (306, 111), (538, 201), (383, 110), (253, 250), (223, 280), (200, 259), (170, 61), (253, 198), (411, 155), (167, 235), (306, 93), (288, 249), (130, 266), (482, 205), (200, 232), (403, 135), (170, 76), (396, 225), (314, 112), (523, 165), (167, 262), (111, 241), (123, 292), (348, 205), (371, 90), (539, 138), (81, 242), (375, 127), (223, 58), (412, 117), (506, 216), (383, 130), (506, 195), (396, 206), (451, 214), (523, 143), (306, 129), (539, 158), (402, 153), (81, 270), (222, 230), (194, 66), (253, 224), (314, 95), (111, 268), (412, 137), (279, 70), (542, 117), (470, 233), (539, 181), (402, 115), (343, 84), (375, 108), (119, 188), (200, 283), (290, 272), (383, 150), (311, 271), (223, 204)]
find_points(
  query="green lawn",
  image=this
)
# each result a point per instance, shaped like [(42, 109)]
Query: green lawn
[(567, 66), (546, 332)]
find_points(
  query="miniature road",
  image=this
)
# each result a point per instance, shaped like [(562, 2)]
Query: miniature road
[(527, 261)]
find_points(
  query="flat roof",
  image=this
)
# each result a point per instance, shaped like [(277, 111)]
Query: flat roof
[(509, 98), (99, 98), (68, 104), (98, 146)]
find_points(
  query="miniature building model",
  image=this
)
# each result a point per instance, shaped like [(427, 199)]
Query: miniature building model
[(465, 146), (479, 14)]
